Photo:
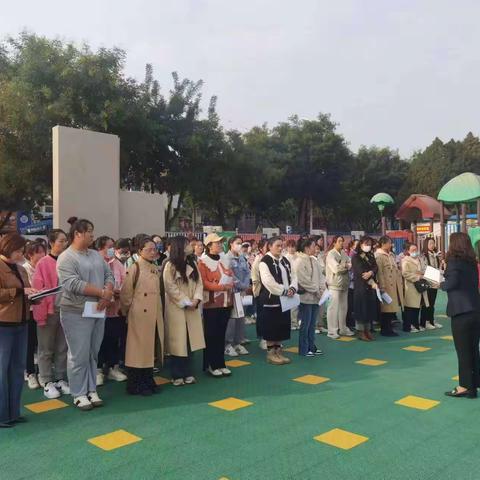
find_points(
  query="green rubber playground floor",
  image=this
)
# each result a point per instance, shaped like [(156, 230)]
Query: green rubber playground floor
[(279, 427)]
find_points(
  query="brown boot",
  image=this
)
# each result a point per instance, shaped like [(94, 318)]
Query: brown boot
[(285, 360), (363, 335), (370, 336), (272, 356)]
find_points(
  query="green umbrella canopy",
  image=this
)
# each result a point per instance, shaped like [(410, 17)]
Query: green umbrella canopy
[(474, 234), (463, 188), (381, 200)]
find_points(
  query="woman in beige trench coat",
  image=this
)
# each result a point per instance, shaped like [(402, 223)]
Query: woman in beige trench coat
[(141, 303), (390, 282), (183, 322), (414, 300)]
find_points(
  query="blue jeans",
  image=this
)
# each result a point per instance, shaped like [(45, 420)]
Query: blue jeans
[(306, 339), (13, 362)]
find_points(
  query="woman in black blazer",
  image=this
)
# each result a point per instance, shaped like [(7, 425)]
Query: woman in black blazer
[(461, 285)]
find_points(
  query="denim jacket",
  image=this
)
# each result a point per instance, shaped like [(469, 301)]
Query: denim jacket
[(241, 271)]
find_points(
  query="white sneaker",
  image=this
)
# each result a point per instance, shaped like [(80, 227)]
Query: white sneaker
[(32, 382), (50, 391), (116, 374), (317, 331), (347, 333), (438, 325), (421, 329), (100, 377), (190, 380), (63, 387), (226, 372), (429, 326), (82, 402), (333, 335), (178, 382), (323, 330), (230, 351), (414, 330), (241, 350), (215, 373), (94, 399), (262, 344)]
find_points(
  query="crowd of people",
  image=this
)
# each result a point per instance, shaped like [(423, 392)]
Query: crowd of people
[(127, 306)]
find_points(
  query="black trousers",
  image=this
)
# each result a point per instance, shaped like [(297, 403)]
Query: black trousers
[(350, 310), (215, 322), (410, 318), (466, 335), (386, 320), (427, 314), (259, 324), (110, 352), (140, 381), (181, 367), (32, 345)]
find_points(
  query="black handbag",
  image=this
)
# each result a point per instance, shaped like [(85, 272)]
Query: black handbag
[(421, 285)]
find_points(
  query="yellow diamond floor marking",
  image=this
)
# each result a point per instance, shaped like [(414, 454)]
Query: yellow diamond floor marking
[(311, 379), (413, 348), (447, 337), (291, 349), (230, 404), (113, 440), (236, 363), (345, 339), (371, 362), (161, 380), (456, 378), (341, 439), (419, 403), (46, 406)]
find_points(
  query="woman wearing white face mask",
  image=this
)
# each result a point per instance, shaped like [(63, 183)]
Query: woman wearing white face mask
[(235, 333), (110, 353), (365, 285), (414, 300)]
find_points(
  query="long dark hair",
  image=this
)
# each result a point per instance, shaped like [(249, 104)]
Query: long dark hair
[(460, 248), (334, 241), (80, 226), (178, 260), (305, 242), (53, 234), (363, 241), (425, 250)]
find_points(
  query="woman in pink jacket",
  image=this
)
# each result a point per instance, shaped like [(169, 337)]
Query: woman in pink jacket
[(52, 347)]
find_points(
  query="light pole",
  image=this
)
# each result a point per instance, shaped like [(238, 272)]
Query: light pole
[(381, 200)]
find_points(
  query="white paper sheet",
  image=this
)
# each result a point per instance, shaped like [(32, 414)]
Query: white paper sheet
[(225, 279), (288, 303), (186, 303), (238, 305), (433, 274), (387, 298), (90, 311), (326, 295), (247, 300), (379, 295)]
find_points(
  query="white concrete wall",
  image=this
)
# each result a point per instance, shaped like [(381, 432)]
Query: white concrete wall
[(141, 212), (86, 178)]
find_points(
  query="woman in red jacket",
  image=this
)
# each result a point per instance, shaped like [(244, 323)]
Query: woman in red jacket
[(217, 294)]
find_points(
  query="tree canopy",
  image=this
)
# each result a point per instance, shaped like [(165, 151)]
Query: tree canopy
[(168, 144)]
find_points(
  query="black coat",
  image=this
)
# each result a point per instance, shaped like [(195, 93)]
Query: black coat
[(461, 285), (365, 302)]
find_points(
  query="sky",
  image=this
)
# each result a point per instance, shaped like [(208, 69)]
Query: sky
[(391, 73)]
